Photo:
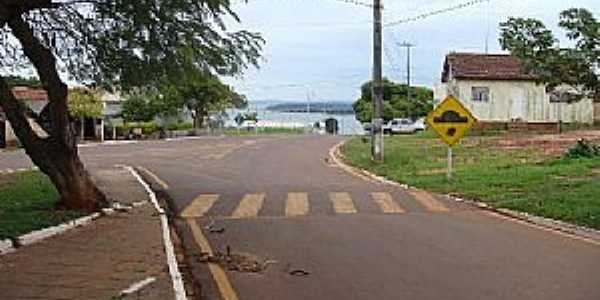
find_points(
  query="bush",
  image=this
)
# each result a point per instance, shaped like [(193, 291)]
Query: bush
[(584, 149), (180, 126), (147, 128)]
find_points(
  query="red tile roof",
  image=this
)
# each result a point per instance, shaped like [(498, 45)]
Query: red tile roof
[(484, 67), (26, 93)]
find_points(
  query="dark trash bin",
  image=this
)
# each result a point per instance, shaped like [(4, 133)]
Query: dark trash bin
[(331, 126)]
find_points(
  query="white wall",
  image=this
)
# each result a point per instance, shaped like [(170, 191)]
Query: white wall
[(525, 100)]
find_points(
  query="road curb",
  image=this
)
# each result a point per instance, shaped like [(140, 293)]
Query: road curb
[(12, 245), (580, 232), (8, 246), (176, 277)]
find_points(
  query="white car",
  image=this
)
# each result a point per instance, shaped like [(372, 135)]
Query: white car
[(400, 126), (420, 124)]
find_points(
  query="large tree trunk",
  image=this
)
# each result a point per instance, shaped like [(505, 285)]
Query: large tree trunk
[(56, 155), (199, 118)]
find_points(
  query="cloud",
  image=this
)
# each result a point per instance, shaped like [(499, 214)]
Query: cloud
[(326, 45)]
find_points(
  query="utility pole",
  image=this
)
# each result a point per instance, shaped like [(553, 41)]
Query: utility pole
[(377, 85), (407, 45)]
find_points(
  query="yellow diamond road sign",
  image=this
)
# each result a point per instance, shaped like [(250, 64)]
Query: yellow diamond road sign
[(450, 120)]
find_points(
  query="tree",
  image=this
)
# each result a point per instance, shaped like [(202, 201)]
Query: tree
[(138, 107), (541, 54), (31, 82), (396, 103), (84, 103), (108, 43), (204, 93)]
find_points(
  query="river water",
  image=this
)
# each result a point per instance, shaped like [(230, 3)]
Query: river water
[(348, 125)]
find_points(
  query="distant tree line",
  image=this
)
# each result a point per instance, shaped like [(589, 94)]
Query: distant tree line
[(396, 102)]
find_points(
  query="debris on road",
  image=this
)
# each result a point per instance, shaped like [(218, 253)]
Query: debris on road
[(239, 262)]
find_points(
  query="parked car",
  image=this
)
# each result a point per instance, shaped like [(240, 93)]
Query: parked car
[(400, 126), (420, 124)]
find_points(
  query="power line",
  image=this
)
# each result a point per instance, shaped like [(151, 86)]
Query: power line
[(363, 4), (435, 12)]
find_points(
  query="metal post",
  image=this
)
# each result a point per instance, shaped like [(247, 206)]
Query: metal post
[(449, 171), (408, 46), (377, 85)]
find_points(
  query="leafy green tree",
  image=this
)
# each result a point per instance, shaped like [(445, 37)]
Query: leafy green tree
[(32, 82), (107, 43), (84, 103), (541, 54), (396, 102), (204, 94), (138, 107)]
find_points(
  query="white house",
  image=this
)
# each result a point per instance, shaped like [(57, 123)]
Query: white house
[(496, 90)]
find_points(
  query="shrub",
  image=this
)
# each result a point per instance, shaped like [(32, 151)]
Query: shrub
[(584, 149), (180, 126)]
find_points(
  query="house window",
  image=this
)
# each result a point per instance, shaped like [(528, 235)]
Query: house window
[(480, 93)]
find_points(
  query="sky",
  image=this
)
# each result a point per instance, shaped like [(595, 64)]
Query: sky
[(322, 49)]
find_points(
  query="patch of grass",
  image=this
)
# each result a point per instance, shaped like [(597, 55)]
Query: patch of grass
[(27, 203), (519, 179)]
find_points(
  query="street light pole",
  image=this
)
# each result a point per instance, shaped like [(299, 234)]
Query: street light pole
[(377, 85), (408, 46)]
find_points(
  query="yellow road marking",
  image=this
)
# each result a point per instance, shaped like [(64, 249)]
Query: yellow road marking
[(249, 206), (342, 203), (296, 204), (159, 181), (199, 206), (223, 283), (427, 200), (387, 204)]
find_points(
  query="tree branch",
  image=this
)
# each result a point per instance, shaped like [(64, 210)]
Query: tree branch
[(45, 63), (15, 111)]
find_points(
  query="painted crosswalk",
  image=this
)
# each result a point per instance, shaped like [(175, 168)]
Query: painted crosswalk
[(298, 204), (249, 206)]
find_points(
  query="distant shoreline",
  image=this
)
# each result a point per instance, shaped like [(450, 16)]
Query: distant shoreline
[(338, 108)]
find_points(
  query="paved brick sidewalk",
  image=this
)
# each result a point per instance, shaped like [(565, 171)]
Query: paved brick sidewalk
[(96, 261)]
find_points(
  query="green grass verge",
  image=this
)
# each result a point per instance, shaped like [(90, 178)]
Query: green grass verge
[(518, 179), (264, 131), (27, 202)]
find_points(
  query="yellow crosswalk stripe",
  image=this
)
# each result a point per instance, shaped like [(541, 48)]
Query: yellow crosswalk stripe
[(199, 206), (428, 201), (342, 203), (249, 206), (296, 204), (387, 204)]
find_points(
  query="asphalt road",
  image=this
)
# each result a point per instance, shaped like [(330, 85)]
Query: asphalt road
[(278, 199)]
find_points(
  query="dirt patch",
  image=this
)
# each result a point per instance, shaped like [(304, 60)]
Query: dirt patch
[(549, 145)]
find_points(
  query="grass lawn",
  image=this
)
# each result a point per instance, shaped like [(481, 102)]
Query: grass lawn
[(27, 203), (522, 179), (264, 131)]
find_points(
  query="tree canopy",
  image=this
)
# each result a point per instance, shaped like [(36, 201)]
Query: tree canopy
[(84, 103), (113, 44), (542, 54), (396, 103)]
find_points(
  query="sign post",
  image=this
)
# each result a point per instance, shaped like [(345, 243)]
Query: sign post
[(451, 121), (449, 172)]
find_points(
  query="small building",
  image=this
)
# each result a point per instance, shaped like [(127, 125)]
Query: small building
[(498, 93), (36, 99)]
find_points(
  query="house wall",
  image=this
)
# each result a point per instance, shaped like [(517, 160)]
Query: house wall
[(512, 100), (597, 112)]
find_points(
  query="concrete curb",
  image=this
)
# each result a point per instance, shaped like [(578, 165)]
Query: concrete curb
[(176, 278), (11, 171), (8, 246), (589, 234)]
